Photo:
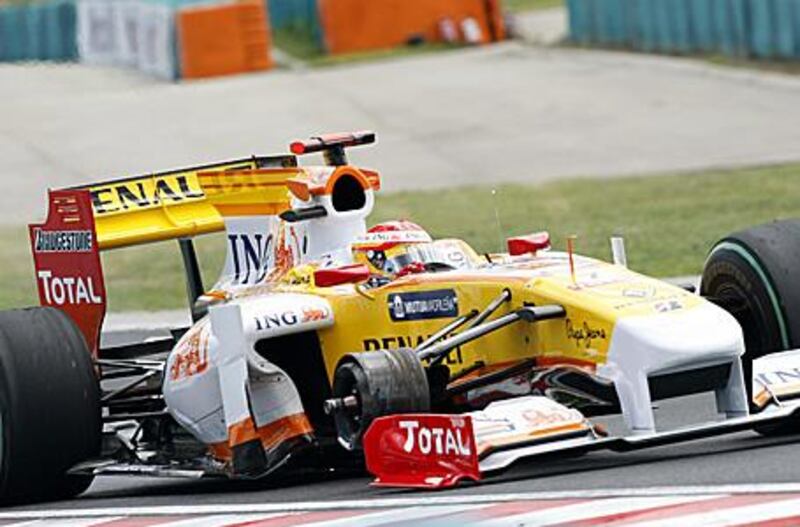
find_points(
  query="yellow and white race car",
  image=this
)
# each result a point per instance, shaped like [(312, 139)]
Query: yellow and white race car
[(432, 361)]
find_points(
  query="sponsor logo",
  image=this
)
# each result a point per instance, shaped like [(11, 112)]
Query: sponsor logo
[(594, 280), (191, 358), (143, 193), (487, 426), (666, 307), (635, 292), (62, 241), (314, 314), (399, 341), (551, 417), (276, 320), (584, 335), (456, 257), (654, 300), (423, 305), (251, 257), (407, 341), (301, 275), (434, 440), (786, 376), (391, 237), (291, 318), (67, 289)]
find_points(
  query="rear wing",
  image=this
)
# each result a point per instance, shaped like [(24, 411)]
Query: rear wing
[(178, 204), (249, 198), (172, 204)]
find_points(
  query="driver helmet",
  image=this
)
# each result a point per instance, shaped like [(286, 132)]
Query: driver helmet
[(386, 248)]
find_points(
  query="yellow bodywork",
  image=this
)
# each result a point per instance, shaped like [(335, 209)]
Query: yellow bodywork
[(601, 294), (194, 201), (186, 203)]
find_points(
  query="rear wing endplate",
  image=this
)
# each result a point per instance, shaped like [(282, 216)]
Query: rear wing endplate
[(69, 275)]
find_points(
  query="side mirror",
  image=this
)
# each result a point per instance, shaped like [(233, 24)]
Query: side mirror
[(348, 274), (530, 243)]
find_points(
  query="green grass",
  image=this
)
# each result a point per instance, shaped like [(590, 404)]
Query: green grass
[(669, 222), (530, 5), (300, 43), (145, 277), (789, 67)]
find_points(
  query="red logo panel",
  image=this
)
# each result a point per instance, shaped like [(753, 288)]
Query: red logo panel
[(421, 450), (69, 274)]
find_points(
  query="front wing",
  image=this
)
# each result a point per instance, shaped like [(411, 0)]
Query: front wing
[(438, 451)]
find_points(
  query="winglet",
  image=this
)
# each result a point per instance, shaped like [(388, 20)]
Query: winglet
[(421, 450)]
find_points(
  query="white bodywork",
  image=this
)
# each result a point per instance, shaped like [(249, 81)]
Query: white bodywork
[(530, 416), (257, 245), (215, 379), (541, 421), (330, 238), (230, 379), (251, 250), (776, 378), (643, 346)]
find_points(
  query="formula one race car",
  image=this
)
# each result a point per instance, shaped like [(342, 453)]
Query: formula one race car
[(324, 341)]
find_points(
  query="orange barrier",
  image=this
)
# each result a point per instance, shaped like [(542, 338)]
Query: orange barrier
[(224, 39), (360, 25)]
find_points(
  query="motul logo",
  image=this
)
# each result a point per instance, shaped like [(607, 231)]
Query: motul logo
[(67, 290), (439, 441)]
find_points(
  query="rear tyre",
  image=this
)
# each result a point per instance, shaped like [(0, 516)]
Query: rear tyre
[(755, 275), (49, 406)]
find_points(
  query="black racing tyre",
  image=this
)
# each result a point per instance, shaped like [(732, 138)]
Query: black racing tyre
[(755, 275), (49, 406), (383, 382)]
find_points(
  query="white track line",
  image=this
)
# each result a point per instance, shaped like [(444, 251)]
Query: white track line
[(74, 522), (388, 517), (422, 500), (732, 516), (589, 509), (221, 520)]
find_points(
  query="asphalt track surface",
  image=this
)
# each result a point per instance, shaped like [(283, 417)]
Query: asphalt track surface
[(510, 112), (737, 459), (742, 458)]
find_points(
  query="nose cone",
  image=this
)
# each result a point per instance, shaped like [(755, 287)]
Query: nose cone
[(675, 340)]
